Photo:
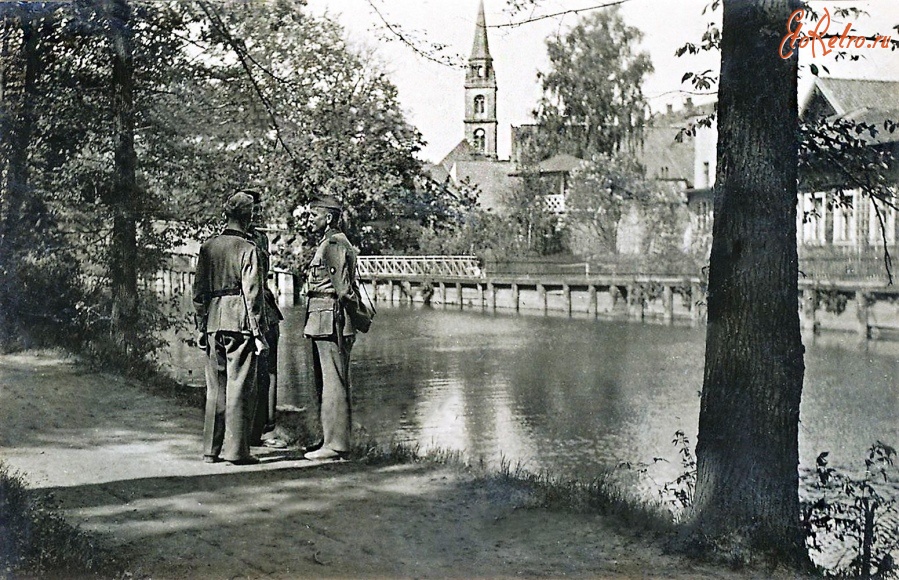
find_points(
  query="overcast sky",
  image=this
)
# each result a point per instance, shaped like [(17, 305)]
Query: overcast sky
[(431, 94)]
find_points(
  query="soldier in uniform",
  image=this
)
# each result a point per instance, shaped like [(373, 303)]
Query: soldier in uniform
[(263, 431), (329, 292), (228, 300)]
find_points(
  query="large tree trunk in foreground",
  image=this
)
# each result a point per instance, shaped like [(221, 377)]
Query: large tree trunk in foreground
[(747, 498)]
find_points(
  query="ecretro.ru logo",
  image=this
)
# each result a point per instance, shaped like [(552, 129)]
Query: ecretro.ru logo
[(819, 36)]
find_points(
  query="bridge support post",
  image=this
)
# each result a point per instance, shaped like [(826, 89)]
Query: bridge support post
[(861, 312), (566, 292), (614, 295), (809, 309), (635, 301), (491, 292), (592, 308), (668, 304), (481, 300), (541, 297), (695, 298), (515, 297), (390, 291), (459, 294), (630, 299), (442, 293), (374, 289)]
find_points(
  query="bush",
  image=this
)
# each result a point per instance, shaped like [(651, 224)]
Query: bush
[(35, 539), (39, 299)]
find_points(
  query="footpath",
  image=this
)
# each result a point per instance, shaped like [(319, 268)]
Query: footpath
[(125, 465)]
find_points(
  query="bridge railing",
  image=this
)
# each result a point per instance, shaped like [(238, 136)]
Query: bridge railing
[(418, 266)]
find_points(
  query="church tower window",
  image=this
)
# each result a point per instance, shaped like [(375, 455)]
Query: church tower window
[(480, 140), (479, 104)]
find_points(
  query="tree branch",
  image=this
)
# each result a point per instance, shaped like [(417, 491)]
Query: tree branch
[(555, 14), (242, 55), (393, 29)]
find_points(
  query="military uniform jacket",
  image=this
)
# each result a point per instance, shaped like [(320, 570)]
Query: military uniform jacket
[(329, 286), (227, 292)]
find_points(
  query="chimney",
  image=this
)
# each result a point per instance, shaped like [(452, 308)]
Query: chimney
[(688, 103), (670, 108)]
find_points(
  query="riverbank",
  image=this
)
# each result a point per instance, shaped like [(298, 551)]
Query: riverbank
[(124, 464)]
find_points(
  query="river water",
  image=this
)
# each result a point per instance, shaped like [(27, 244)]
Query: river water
[(575, 396)]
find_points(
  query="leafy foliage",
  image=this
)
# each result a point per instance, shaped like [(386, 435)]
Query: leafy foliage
[(593, 101), (226, 95), (608, 190), (855, 516)]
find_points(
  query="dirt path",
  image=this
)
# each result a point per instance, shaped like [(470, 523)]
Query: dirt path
[(126, 465)]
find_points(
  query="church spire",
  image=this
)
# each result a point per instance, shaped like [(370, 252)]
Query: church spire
[(480, 50), (480, 93)]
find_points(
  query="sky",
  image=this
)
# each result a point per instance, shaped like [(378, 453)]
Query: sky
[(432, 96)]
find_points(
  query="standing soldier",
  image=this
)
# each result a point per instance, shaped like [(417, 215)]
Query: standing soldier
[(229, 307), (263, 431), (329, 292)]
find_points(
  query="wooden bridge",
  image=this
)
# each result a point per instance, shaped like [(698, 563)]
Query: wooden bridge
[(866, 307)]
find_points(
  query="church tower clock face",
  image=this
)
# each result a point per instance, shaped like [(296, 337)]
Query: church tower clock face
[(480, 93)]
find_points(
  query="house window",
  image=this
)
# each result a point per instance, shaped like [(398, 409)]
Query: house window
[(844, 219), (480, 140), (479, 106), (888, 215), (482, 71), (812, 218)]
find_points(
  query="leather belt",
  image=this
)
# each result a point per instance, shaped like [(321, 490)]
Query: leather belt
[(321, 295), (225, 292)]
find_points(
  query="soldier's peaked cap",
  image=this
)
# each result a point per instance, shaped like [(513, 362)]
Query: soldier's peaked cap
[(328, 202), (240, 203)]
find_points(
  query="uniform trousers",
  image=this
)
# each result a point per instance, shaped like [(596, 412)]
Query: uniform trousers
[(230, 395), (332, 386), (266, 387)]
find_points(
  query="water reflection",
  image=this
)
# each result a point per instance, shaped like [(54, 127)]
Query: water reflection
[(576, 396)]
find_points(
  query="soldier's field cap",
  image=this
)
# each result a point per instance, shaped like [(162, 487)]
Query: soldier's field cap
[(328, 202), (254, 193), (240, 203)]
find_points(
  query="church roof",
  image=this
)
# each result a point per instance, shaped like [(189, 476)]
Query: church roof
[(436, 171), (460, 151), (492, 178), (480, 50)]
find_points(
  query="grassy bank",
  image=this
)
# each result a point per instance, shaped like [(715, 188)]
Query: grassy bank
[(603, 495), (36, 541)]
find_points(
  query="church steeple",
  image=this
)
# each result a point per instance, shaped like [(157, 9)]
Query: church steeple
[(480, 50), (480, 93)]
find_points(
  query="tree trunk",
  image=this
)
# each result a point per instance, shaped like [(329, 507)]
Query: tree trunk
[(747, 498), (17, 128), (124, 200)]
